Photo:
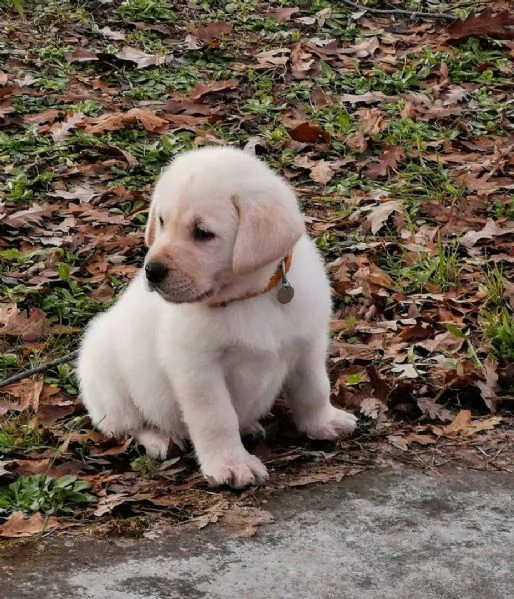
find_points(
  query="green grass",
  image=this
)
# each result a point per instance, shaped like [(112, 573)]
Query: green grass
[(17, 436), (416, 273), (41, 493), (499, 331)]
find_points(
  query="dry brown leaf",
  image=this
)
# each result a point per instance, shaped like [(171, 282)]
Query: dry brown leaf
[(81, 55), (28, 327), (272, 58), (283, 15), (309, 133), (117, 120), (142, 59), (420, 439), (308, 479), (462, 424), (61, 131), (490, 230), (242, 522), (488, 23), (372, 407), (18, 526), (378, 215), (370, 121), (489, 386), (301, 61), (106, 504), (201, 89), (398, 442), (213, 31), (388, 161)]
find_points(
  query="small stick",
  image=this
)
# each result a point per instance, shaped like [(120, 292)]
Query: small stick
[(38, 369), (400, 12)]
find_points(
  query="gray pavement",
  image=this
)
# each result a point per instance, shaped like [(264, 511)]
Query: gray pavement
[(394, 534)]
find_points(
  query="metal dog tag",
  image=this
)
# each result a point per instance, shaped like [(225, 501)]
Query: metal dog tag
[(285, 293)]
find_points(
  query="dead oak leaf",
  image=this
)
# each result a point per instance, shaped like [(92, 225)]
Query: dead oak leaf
[(388, 161), (242, 522), (378, 215), (61, 131), (283, 15), (301, 61), (142, 59), (22, 395), (202, 89), (118, 120), (364, 49), (372, 407), (490, 230), (32, 215), (213, 31), (81, 55), (489, 386), (18, 526), (309, 133), (28, 326), (370, 121), (485, 24), (272, 58), (463, 425), (398, 442)]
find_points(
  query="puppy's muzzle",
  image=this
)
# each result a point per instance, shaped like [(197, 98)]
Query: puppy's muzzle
[(155, 272)]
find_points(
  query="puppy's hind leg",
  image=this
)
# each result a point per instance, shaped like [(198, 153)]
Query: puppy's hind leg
[(308, 390)]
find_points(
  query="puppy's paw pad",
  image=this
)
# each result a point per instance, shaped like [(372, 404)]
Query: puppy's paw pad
[(237, 472), (155, 442), (335, 424)]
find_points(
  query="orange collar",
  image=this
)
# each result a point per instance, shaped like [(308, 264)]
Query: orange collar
[(273, 282)]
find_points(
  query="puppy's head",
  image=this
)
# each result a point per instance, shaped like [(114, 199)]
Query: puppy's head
[(216, 215)]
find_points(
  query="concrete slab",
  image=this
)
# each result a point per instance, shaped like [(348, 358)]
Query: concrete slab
[(380, 535)]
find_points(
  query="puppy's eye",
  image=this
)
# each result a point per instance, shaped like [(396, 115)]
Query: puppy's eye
[(201, 234), (161, 221)]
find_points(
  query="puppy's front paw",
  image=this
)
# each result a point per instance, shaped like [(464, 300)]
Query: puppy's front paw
[(332, 424), (155, 442), (238, 471)]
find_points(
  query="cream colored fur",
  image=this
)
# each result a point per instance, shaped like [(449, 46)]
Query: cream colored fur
[(163, 363)]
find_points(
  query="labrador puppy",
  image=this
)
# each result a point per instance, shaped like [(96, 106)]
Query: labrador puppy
[(208, 334)]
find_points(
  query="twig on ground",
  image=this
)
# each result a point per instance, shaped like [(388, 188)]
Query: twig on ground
[(412, 14), (38, 369)]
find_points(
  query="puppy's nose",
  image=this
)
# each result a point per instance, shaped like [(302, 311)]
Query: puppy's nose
[(155, 272)]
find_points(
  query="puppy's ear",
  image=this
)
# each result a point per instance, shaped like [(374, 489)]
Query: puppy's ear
[(151, 224), (268, 229)]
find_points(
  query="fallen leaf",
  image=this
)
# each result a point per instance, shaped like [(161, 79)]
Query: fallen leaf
[(488, 23), (201, 89), (106, 504), (18, 526), (242, 522), (81, 55), (420, 439), (490, 230), (118, 120), (309, 479), (378, 215), (283, 15), (398, 442), (213, 31), (309, 133), (61, 131), (489, 386), (28, 326), (388, 161), (271, 58), (372, 407), (142, 59)]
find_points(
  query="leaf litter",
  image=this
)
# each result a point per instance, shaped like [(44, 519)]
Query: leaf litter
[(397, 136)]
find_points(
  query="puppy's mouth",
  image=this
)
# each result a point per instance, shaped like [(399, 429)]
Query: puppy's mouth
[(177, 297)]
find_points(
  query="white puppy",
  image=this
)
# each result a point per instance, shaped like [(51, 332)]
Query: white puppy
[(199, 346)]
